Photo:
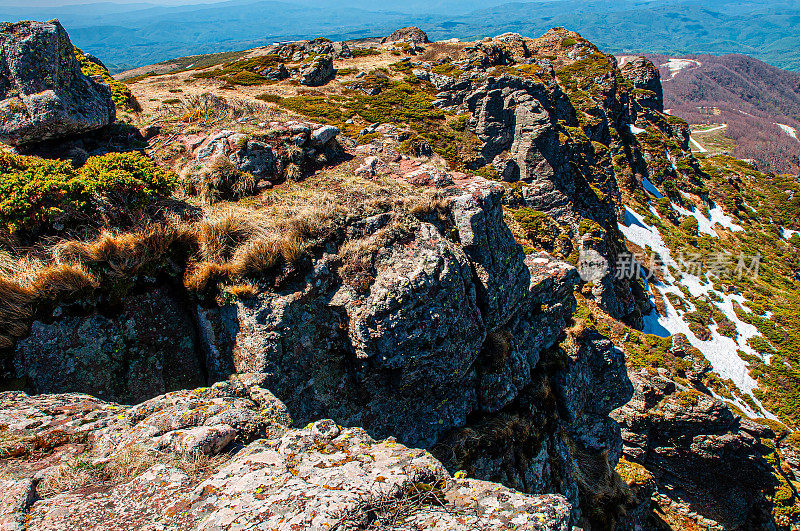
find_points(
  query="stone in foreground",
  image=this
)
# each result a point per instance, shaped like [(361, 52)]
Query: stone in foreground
[(322, 476)]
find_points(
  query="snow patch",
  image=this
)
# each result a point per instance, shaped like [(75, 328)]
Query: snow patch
[(789, 130), (636, 130), (706, 225), (721, 351), (719, 216), (671, 160), (676, 65), (787, 234), (640, 233)]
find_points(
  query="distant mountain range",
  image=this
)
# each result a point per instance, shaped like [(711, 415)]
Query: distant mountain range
[(758, 103), (134, 34)]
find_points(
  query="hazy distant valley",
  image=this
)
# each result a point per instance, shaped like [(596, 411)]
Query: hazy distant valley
[(762, 28)]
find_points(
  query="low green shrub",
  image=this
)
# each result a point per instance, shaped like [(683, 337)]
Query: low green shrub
[(120, 93), (36, 192)]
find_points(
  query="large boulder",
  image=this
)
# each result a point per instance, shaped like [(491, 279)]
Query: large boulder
[(43, 93), (411, 34), (318, 72)]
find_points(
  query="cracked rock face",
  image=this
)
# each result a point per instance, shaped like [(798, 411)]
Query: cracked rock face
[(689, 441), (453, 343), (43, 93), (144, 350)]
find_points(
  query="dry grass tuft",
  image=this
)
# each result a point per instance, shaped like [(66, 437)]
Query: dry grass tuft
[(221, 179), (123, 254), (389, 510), (228, 247), (242, 291), (60, 281), (124, 466), (15, 445), (220, 234), (16, 309), (293, 172)]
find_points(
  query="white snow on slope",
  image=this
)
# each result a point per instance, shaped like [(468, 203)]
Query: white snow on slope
[(670, 159), (676, 65), (789, 130), (719, 216), (637, 231), (636, 130), (706, 225), (720, 351), (788, 233)]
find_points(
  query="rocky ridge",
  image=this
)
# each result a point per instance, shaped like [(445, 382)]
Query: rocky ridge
[(421, 325)]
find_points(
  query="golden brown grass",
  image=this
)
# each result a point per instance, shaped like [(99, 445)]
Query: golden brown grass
[(234, 245), (123, 466), (15, 444), (123, 254)]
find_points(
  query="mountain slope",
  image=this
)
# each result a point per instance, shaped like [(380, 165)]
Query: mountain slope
[(758, 103), (481, 249)]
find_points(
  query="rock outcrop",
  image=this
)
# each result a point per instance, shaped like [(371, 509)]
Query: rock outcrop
[(646, 80), (43, 94), (266, 156), (452, 341), (524, 123), (144, 349), (411, 34), (708, 464), (320, 476), (318, 72)]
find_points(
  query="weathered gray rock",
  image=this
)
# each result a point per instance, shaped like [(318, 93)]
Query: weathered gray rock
[(497, 259), (202, 421), (258, 158), (646, 79), (16, 497), (419, 328), (143, 351), (323, 135), (318, 72), (322, 476), (588, 405), (412, 354), (517, 120), (341, 50), (262, 156), (411, 34), (43, 94), (278, 73)]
